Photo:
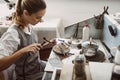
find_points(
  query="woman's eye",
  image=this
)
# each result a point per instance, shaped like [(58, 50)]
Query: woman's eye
[(38, 17)]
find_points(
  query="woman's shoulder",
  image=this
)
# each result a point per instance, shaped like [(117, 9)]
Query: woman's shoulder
[(12, 30), (13, 27)]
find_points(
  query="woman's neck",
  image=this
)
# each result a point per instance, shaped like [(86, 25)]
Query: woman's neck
[(25, 20)]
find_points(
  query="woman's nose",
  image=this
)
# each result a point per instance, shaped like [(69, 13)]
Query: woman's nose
[(41, 20)]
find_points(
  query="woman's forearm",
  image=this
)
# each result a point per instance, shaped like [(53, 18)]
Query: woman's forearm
[(9, 60)]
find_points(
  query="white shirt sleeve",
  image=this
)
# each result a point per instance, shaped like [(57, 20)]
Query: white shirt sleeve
[(9, 42)]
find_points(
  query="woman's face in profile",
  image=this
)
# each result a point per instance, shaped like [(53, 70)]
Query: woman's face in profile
[(36, 17)]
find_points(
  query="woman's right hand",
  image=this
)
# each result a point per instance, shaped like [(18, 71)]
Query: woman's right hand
[(31, 48)]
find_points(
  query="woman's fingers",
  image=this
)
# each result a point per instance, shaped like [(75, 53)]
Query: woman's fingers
[(39, 46), (53, 41), (32, 48), (36, 47)]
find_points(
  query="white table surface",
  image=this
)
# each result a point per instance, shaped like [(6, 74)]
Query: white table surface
[(98, 70), (68, 60)]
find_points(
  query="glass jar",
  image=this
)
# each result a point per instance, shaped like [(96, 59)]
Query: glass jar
[(116, 72), (79, 66)]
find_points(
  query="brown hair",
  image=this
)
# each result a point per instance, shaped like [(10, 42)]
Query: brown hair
[(32, 6)]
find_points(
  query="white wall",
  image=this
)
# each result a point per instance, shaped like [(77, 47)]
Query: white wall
[(73, 11)]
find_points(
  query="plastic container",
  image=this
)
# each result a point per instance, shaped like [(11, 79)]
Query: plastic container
[(117, 56), (85, 35)]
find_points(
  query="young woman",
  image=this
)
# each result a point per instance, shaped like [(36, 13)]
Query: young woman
[(18, 45)]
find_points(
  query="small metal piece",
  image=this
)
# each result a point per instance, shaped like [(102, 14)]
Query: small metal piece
[(46, 39), (43, 43)]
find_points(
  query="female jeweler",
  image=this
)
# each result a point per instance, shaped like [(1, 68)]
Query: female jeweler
[(18, 45)]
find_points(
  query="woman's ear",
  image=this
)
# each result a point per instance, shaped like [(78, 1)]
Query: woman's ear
[(26, 13)]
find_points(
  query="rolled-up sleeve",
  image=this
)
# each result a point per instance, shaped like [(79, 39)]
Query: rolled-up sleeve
[(9, 42)]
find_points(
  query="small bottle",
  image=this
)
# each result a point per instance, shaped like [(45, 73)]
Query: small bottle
[(85, 35)]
